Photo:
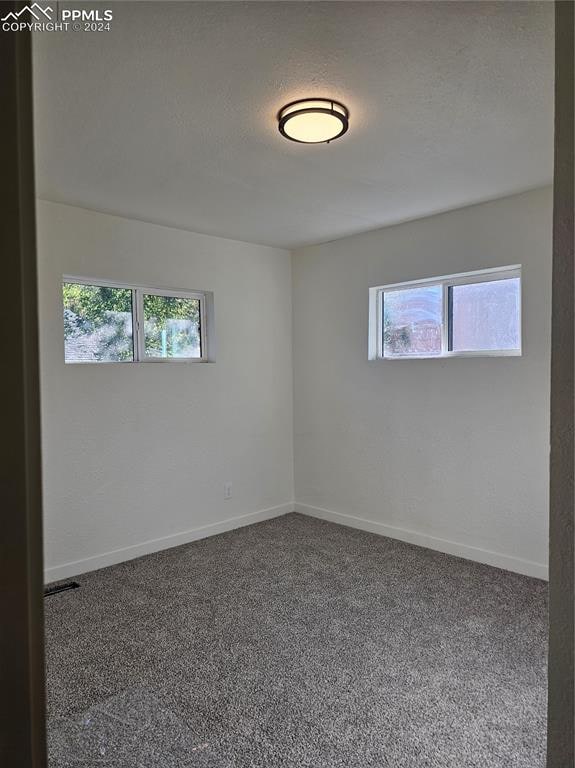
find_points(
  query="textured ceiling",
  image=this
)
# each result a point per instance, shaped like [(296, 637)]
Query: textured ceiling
[(170, 117)]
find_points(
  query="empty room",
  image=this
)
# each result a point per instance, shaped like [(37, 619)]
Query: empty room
[(294, 310)]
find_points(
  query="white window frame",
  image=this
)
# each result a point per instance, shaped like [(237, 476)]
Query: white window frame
[(376, 350), (138, 291)]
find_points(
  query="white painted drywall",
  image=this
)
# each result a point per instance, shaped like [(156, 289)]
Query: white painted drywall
[(135, 456), (452, 454)]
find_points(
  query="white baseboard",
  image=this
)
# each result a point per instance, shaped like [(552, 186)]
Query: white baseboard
[(64, 571), (497, 559)]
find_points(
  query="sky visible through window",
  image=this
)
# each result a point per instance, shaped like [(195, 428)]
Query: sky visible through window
[(412, 321), (485, 316)]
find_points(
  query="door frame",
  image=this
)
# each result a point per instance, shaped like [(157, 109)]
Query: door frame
[(560, 725), (22, 702)]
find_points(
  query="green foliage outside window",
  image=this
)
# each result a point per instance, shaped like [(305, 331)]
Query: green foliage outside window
[(98, 324), (171, 326)]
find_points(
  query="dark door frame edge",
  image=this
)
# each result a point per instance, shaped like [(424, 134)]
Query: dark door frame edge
[(560, 729), (22, 704)]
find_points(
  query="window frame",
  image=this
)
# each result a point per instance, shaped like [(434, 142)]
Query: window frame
[(138, 339), (376, 341)]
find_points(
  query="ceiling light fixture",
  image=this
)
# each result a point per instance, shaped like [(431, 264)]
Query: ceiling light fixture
[(313, 121)]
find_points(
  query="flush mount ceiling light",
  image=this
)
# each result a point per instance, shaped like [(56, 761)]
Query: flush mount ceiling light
[(313, 121)]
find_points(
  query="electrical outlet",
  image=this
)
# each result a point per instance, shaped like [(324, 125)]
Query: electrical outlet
[(227, 490)]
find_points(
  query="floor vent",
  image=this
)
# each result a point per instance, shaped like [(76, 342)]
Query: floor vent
[(49, 591)]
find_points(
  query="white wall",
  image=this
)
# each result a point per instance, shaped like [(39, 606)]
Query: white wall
[(134, 453), (451, 454)]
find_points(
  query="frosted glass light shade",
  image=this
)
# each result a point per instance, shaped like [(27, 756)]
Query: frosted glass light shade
[(313, 121)]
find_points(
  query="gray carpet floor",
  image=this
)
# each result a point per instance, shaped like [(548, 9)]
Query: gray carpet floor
[(298, 643)]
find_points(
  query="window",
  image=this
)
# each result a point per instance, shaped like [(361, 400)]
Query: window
[(477, 313), (98, 323), (485, 316), (172, 326), (412, 322), (110, 323)]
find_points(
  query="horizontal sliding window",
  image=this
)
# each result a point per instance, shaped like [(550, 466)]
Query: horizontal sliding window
[(471, 314), (107, 323)]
